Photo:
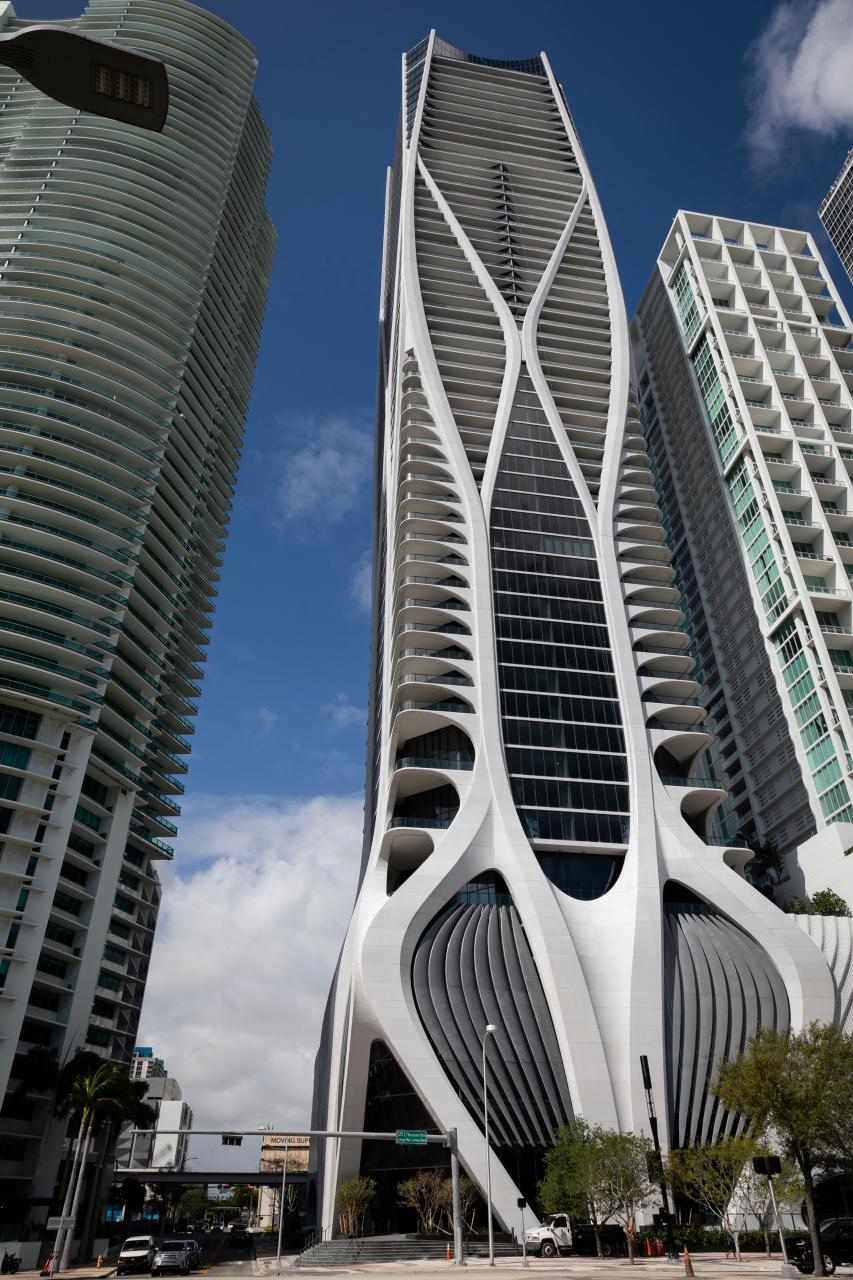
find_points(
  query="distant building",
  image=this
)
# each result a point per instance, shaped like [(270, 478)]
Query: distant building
[(272, 1159), (836, 214), (163, 1148), (144, 1066)]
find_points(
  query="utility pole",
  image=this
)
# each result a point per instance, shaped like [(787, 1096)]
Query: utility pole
[(653, 1125)]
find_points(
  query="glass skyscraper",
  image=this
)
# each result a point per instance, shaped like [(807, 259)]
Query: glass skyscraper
[(132, 287), (541, 848), (836, 214)]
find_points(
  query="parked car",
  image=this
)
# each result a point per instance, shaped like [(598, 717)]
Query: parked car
[(174, 1255), (136, 1254), (836, 1242)]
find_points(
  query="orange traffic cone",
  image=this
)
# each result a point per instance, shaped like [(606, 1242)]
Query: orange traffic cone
[(648, 1246), (449, 1254), (688, 1265)]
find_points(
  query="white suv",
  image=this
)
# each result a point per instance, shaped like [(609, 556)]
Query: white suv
[(137, 1254)]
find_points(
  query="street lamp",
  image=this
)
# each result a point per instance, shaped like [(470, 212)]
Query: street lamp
[(489, 1031), (90, 75)]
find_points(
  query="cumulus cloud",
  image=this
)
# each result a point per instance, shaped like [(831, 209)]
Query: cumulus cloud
[(801, 75), (361, 583), (343, 714), (325, 472), (253, 917), (266, 719)]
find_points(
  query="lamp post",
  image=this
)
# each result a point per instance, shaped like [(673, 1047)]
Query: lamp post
[(489, 1031), (281, 1208), (89, 74)]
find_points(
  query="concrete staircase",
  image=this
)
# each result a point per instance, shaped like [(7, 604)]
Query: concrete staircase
[(333, 1253)]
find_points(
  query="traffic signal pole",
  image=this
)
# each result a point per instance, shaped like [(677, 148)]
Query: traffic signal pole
[(234, 1138), (671, 1251)]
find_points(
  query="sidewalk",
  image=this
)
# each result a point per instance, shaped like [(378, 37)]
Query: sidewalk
[(707, 1265), (87, 1272)]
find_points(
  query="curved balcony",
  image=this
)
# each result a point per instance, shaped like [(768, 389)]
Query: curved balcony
[(452, 653), (684, 742), (653, 593), (430, 809), (654, 613), (641, 529), (651, 662), (662, 636), (430, 610), (432, 589), (423, 680), (698, 798), (666, 687), (415, 503), (634, 567)]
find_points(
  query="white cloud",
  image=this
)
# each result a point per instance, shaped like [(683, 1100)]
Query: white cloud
[(343, 715), (253, 917), (361, 582), (266, 719), (801, 75), (326, 470)]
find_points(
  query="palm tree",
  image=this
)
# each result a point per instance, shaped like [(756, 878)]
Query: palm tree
[(98, 1094)]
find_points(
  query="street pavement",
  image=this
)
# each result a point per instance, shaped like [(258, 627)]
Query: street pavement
[(257, 1258)]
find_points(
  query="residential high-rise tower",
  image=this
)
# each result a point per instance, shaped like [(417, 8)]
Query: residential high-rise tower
[(540, 852), (836, 214), (745, 361), (132, 286)]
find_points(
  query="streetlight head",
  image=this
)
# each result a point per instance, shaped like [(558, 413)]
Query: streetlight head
[(90, 74), (490, 1027)]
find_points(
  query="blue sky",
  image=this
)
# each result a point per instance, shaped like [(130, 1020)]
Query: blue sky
[(739, 109), (662, 99)]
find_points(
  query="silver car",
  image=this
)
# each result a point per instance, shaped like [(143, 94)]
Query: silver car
[(175, 1255)]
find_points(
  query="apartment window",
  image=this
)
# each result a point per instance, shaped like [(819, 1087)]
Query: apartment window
[(71, 872), (79, 845), (98, 1036), (88, 818), (17, 723), (58, 933), (95, 791), (50, 964), (65, 902)]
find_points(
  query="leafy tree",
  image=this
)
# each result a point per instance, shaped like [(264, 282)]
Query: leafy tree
[(709, 1174), (98, 1095), (193, 1203), (825, 902), (800, 1085), (352, 1200), (753, 1198), (798, 907), (578, 1175), (625, 1175), (767, 856), (469, 1198), (427, 1193)]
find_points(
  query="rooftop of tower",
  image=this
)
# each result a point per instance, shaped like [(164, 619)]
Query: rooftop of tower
[(531, 66)]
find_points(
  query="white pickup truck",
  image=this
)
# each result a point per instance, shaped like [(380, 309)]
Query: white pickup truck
[(552, 1238)]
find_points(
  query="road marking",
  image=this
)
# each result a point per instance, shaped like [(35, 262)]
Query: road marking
[(220, 1246)]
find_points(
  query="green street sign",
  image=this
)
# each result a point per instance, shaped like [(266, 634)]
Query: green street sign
[(411, 1138)]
